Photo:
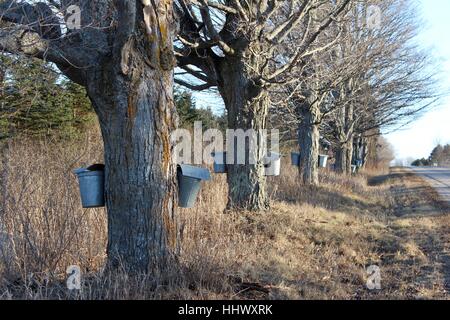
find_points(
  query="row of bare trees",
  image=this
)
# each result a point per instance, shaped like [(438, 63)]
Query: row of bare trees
[(332, 69)]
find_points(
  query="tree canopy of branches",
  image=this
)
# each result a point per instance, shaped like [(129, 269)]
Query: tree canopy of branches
[(393, 83), (372, 78)]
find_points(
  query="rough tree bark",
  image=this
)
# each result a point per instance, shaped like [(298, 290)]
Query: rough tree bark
[(247, 104), (309, 138), (133, 97), (137, 115), (343, 157), (344, 131)]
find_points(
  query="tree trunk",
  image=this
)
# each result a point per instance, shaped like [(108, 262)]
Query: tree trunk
[(247, 105), (365, 152), (123, 55), (344, 135), (309, 137), (343, 155), (350, 160), (141, 188), (133, 98)]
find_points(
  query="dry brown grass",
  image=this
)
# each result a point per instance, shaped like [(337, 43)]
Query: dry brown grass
[(421, 227), (315, 243)]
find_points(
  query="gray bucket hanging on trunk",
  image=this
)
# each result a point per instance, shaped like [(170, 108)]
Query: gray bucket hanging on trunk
[(359, 163), (272, 166), (220, 162), (91, 182), (295, 159), (323, 159), (189, 182)]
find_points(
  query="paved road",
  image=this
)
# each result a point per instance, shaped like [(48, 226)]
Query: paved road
[(439, 178)]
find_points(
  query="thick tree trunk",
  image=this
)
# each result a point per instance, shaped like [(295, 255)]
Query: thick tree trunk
[(344, 136), (365, 152), (132, 94), (247, 105), (343, 156), (123, 55), (247, 182), (309, 137), (141, 188), (350, 160)]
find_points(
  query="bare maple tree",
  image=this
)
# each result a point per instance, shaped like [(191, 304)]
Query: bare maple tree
[(237, 46), (393, 83), (368, 79), (122, 53), (306, 102)]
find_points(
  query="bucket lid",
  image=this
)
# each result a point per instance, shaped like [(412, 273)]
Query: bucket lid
[(92, 168), (219, 157), (274, 156), (218, 153), (96, 167), (194, 172), (80, 170)]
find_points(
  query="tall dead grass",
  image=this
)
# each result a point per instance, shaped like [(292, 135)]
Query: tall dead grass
[(43, 227), (313, 243)]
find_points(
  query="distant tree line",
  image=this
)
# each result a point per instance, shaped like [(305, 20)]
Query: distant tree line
[(189, 113), (440, 156), (36, 101)]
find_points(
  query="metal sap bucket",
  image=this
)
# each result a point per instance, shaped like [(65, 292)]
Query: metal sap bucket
[(295, 159), (91, 182), (354, 167), (272, 168), (189, 182), (220, 162), (359, 163), (323, 159)]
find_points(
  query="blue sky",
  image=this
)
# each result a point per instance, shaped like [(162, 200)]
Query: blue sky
[(419, 138)]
